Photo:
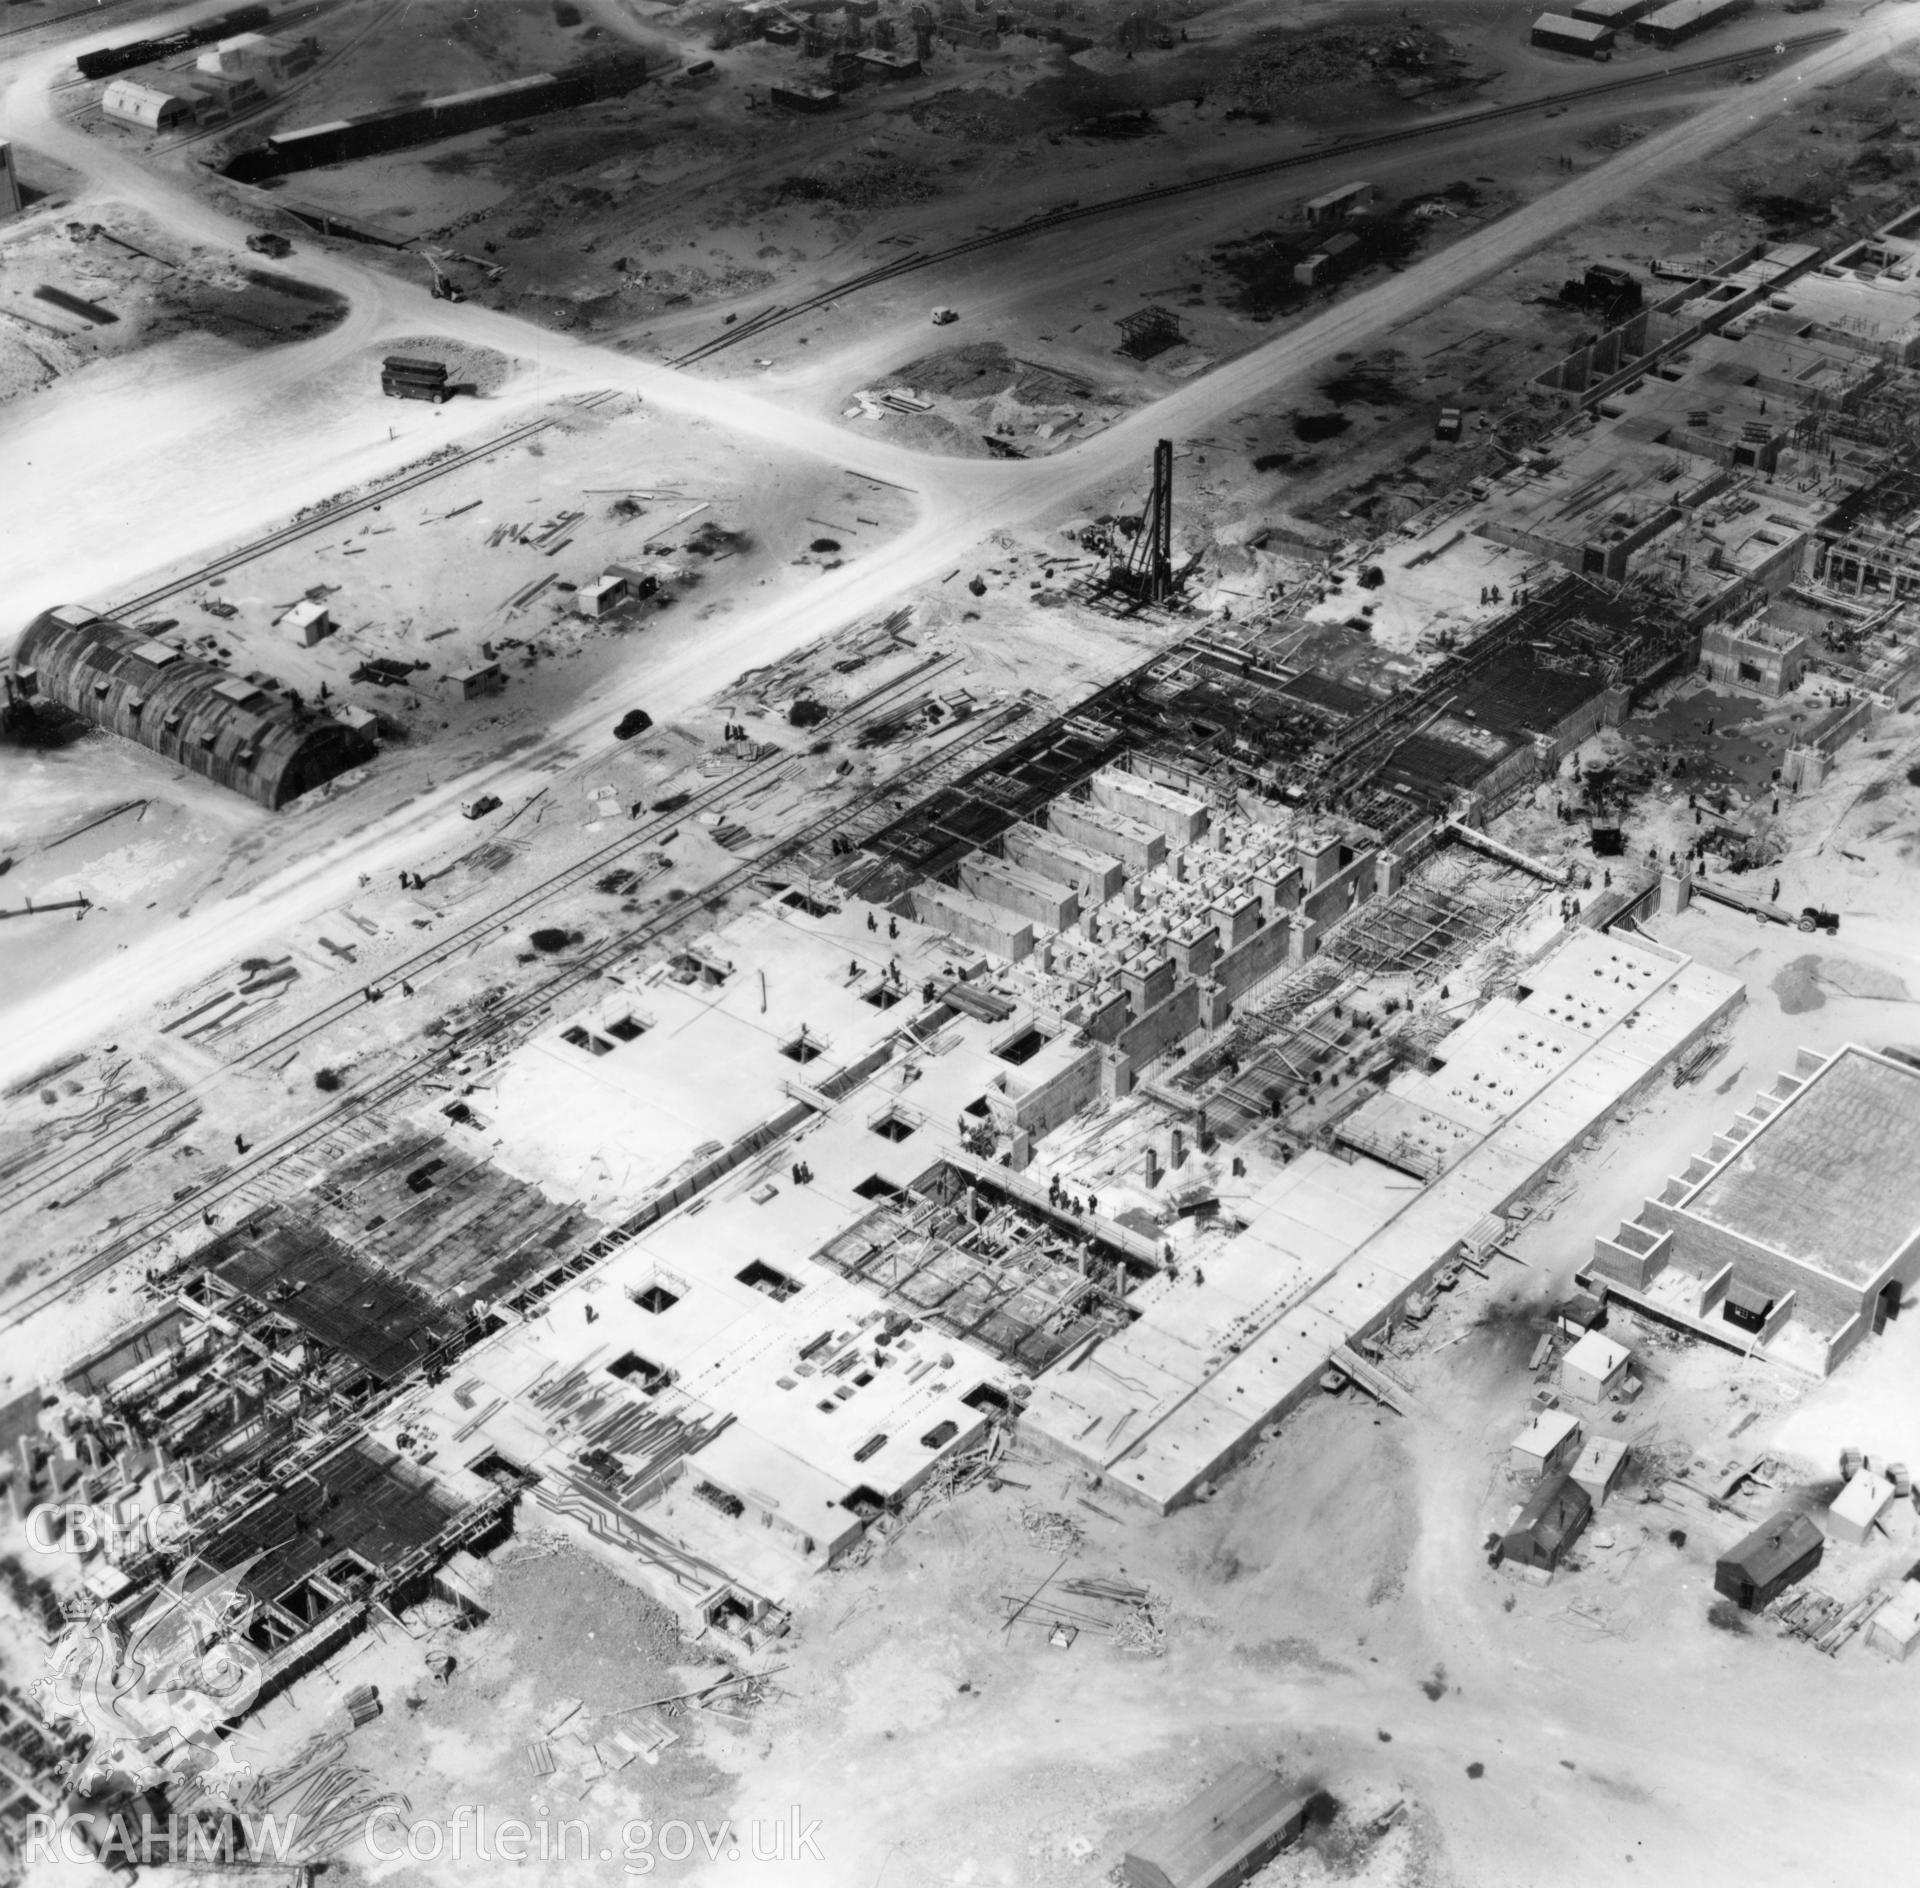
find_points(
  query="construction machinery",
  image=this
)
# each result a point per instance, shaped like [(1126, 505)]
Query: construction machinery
[(1143, 568), (445, 288), (942, 316), (414, 377), (1765, 911)]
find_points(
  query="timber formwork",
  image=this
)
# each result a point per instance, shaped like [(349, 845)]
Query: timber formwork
[(1025, 1283)]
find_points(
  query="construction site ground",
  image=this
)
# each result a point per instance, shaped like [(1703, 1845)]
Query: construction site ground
[(1464, 1726), (1329, 1611), (1373, 460), (1235, 480)]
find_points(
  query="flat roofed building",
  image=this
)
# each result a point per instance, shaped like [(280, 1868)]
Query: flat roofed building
[(1555, 32), (1594, 1368), (1336, 204), (1858, 1507), (1799, 1228), (308, 622), (800, 97), (1753, 656), (482, 679), (1599, 1467), (1613, 13), (1548, 1444), (1895, 1629), (1673, 24)]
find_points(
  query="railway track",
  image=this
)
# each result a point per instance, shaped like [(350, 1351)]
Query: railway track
[(278, 101), (781, 313), (59, 19), (140, 1125), (333, 514), (511, 1021)]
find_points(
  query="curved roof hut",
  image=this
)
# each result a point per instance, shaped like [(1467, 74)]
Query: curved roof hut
[(259, 742)]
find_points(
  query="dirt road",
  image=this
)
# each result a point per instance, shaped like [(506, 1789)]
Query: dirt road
[(215, 456)]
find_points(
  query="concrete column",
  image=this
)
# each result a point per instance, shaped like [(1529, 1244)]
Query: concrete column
[(1116, 1074), (1304, 941), (1216, 1006), (1322, 860), (1236, 918), (1193, 956), (1022, 1149), (1676, 892), (1149, 1169), (1176, 1148), (1148, 985)]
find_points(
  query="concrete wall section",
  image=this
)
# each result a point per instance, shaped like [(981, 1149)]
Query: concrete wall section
[(1160, 1029), (1061, 1080), (1105, 1020), (1178, 816), (1264, 952), (1138, 847), (984, 926), (1096, 876), (1023, 893), (1343, 889)]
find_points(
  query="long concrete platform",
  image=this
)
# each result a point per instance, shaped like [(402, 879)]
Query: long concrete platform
[(1334, 1247)]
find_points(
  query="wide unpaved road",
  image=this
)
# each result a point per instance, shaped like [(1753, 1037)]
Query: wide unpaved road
[(229, 452)]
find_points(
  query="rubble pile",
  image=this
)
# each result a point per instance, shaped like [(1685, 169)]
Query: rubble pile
[(1266, 77)]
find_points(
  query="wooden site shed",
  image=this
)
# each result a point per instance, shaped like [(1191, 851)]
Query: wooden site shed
[(1231, 1830)]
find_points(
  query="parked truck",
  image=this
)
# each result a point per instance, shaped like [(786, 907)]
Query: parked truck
[(414, 377), (1764, 910)]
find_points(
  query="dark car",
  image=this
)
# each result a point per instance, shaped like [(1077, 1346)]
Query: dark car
[(634, 721)]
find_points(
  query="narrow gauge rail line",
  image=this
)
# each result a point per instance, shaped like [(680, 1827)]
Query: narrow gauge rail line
[(152, 1118), (307, 527), (776, 316), (520, 1015)]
